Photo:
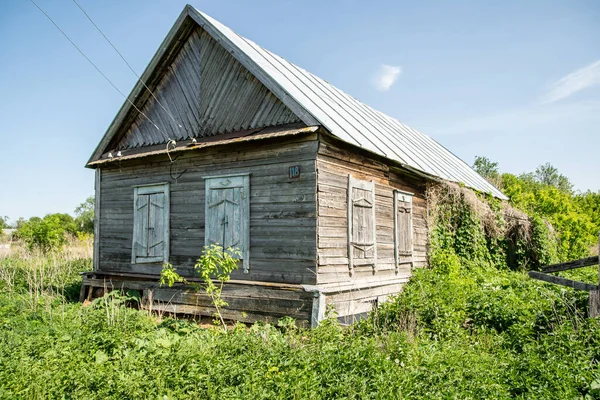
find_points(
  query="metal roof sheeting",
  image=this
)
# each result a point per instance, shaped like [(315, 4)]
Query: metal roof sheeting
[(348, 118)]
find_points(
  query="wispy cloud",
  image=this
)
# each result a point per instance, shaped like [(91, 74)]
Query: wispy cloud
[(574, 82), (534, 120), (386, 76)]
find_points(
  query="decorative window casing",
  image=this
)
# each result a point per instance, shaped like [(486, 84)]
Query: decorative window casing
[(362, 243), (150, 224), (227, 214), (403, 230)]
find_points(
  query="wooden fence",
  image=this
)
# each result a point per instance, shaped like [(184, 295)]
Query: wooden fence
[(545, 275)]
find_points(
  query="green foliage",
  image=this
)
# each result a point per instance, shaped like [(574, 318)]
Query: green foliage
[(84, 216), (3, 223), (571, 216), (485, 167), (169, 276), (217, 262), (45, 234)]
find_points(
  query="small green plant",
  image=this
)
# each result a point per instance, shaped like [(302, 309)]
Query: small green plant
[(215, 263), (219, 263), (169, 276)]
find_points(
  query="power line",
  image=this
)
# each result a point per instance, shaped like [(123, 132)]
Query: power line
[(129, 65), (94, 65)]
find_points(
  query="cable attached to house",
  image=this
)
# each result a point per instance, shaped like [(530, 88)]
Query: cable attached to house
[(129, 65), (95, 66)]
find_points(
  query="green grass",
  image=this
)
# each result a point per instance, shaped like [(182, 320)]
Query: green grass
[(474, 333)]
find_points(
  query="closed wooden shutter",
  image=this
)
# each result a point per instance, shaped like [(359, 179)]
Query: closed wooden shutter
[(227, 219), (151, 224), (362, 243), (403, 232)]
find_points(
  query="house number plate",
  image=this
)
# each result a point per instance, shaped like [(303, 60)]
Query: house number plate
[(295, 172)]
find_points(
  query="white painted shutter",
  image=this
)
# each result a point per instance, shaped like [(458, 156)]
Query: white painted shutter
[(362, 243), (227, 219), (151, 224), (403, 232)]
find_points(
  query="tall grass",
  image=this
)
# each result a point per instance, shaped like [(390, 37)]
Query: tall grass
[(460, 332), (35, 274)]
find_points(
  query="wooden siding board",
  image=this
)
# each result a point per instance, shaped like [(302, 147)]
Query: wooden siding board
[(282, 219), (207, 92), (335, 162)]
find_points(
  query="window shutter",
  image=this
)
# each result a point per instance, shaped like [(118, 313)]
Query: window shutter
[(362, 243), (227, 219), (403, 232), (151, 224), (140, 227)]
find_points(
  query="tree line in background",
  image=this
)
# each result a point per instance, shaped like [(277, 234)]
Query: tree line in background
[(53, 230), (546, 194)]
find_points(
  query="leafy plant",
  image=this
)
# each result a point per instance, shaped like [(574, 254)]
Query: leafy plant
[(44, 234), (215, 263), (218, 263), (169, 276)]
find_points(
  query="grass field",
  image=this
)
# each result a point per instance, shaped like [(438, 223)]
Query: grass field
[(476, 333)]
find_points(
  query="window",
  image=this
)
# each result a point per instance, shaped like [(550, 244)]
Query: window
[(362, 246), (227, 215), (403, 234), (150, 224)]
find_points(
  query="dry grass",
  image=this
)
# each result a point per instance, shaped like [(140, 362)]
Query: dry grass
[(36, 274)]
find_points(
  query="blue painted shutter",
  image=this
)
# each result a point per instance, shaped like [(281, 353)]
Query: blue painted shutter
[(227, 218), (151, 224)]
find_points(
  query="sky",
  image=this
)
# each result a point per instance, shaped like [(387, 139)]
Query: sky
[(515, 81)]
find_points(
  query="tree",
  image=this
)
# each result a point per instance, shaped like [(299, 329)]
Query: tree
[(547, 174), (3, 223), (485, 167), (488, 169), (44, 234), (84, 216)]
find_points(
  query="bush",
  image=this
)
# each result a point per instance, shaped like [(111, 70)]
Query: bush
[(45, 234)]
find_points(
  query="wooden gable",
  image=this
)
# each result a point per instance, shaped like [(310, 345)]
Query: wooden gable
[(203, 92)]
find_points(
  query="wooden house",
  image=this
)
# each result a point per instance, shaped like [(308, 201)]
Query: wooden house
[(222, 141)]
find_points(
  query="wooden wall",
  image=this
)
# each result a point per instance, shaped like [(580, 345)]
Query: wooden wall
[(282, 210), (335, 161), (208, 93)]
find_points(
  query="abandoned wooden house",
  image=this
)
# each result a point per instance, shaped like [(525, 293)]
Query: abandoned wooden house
[(225, 142)]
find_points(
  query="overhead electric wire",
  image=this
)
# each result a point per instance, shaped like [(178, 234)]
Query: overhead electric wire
[(127, 63), (94, 65)]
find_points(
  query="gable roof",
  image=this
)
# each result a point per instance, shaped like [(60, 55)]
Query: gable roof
[(316, 102)]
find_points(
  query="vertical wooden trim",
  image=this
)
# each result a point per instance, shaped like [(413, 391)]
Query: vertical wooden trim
[(97, 188), (318, 308), (135, 229), (374, 227), (167, 222), (349, 223), (396, 233), (594, 301), (246, 224)]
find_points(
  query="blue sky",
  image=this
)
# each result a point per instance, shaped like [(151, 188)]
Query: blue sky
[(516, 81)]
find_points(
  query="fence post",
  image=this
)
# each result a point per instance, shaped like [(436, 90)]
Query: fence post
[(594, 306)]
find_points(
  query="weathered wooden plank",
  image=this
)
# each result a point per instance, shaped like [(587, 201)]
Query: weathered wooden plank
[(562, 281), (584, 262)]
